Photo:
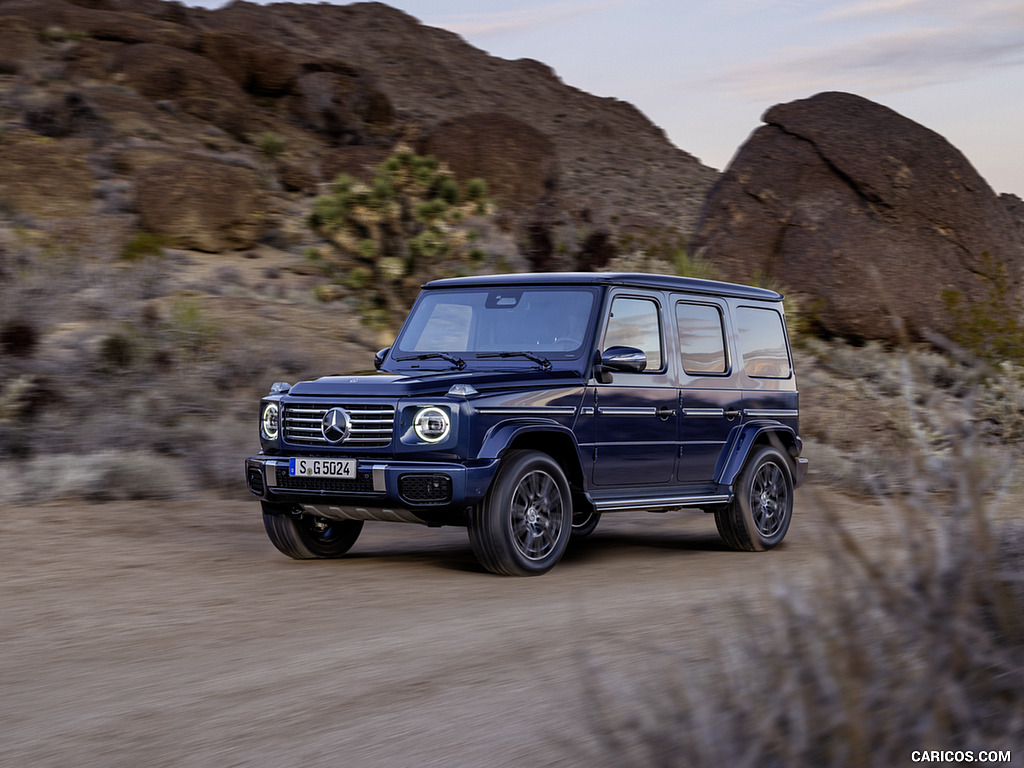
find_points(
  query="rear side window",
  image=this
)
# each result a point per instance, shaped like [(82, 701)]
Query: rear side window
[(763, 343), (634, 323), (701, 338)]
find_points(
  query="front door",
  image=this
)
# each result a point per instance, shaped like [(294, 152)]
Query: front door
[(636, 416)]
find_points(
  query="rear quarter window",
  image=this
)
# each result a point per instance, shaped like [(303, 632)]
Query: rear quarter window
[(762, 342)]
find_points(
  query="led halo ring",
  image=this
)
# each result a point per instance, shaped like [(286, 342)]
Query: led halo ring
[(270, 421), (432, 424)]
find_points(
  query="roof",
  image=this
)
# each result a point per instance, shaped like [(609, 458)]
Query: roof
[(635, 279)]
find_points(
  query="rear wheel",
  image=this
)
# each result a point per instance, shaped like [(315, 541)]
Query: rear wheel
[(306, 537), (523, 525), (758, 517)]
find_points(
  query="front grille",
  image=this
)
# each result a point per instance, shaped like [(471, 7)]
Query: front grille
[(425, 489), (372, 424), (362, 483)]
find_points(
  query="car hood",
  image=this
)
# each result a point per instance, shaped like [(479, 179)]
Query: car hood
[(429, 383)]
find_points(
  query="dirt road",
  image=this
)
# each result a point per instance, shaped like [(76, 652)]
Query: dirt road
[(173, 634)]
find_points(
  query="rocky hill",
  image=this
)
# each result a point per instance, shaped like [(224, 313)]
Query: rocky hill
[(155, 110), (158, 165)]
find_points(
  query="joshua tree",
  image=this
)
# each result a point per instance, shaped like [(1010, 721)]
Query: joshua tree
[(401, 229)]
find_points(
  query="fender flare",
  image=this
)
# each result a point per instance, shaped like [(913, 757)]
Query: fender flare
[(502, 435), (742, 444)]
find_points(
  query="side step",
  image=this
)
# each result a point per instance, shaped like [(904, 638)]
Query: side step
[(660, 503)]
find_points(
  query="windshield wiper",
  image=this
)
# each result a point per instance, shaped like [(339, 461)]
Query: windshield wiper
[(543, 362), (456, 361)]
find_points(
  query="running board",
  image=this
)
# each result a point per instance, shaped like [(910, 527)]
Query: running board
[(662, 503)]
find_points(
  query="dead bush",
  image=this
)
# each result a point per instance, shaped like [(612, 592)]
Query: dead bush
[(917, 646)]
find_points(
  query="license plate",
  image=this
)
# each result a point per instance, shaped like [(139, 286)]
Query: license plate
[(344, 468)]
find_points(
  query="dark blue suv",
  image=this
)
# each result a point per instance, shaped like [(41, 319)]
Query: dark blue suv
[(523, 407)]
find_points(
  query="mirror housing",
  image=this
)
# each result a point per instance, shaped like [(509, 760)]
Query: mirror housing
[(378, 359), (620, 360)]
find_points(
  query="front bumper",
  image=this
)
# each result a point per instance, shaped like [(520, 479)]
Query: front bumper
[(405, 491)]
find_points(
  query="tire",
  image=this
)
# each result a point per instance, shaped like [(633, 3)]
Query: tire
[(523, 525), (759, 514), (305, 537), (584, 523)]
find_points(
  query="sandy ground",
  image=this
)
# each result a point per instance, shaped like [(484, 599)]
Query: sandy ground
[(174, 634)]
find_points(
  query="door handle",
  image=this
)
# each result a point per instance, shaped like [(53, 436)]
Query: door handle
[(731, 414), (664, 412)]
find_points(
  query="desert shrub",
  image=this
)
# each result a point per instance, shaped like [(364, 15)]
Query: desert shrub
[(97, 476), (19, 338), (271, 145), (116, 351), (915, 645), (143, 244), (1001, 401), (993, 328), (190, 329)]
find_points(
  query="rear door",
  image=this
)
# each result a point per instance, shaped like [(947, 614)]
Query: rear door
[(710, 398)]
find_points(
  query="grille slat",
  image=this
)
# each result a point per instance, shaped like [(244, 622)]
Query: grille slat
[(372, 424)]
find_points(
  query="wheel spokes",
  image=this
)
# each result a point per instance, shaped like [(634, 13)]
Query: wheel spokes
[(769, 498), (536, 515)]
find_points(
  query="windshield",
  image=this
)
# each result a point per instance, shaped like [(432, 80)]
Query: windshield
[(546, 323)]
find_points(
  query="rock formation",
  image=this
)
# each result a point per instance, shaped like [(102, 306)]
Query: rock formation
[(864, 213), (337, 86)]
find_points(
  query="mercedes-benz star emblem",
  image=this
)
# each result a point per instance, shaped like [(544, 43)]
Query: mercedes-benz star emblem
[(336, 425)]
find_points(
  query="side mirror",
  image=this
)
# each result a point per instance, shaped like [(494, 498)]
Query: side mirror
[(378, 359), (622, 360)]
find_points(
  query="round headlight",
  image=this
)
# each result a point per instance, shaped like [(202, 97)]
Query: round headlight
[(432, 424), (270, 422)]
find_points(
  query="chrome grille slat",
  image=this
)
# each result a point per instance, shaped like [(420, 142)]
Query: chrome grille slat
[(372, 424)]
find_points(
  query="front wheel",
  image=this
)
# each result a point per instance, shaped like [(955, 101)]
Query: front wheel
[(584, 523), (523, 525), (759, 514), (306, 537)]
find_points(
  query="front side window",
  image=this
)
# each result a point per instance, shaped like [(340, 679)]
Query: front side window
[(701, 338), (763, 343), (552, 322), (634, 323)]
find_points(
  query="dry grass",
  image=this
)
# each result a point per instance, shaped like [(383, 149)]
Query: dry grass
[(917, 646)]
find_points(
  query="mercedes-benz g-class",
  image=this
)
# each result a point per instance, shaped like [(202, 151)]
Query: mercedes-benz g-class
[(524, 407)]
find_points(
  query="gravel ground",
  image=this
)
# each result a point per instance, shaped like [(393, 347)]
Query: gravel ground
[(174, 634)]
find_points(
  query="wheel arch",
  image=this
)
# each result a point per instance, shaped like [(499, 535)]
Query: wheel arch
[(553, 439), (749, 438)]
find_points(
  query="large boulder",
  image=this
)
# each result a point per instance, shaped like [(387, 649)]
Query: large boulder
[(43, 178), (341, 103), (865, 213), (518, 162), (49, 17), (17, 45), (201, 204), (256, 65), (162, 73)]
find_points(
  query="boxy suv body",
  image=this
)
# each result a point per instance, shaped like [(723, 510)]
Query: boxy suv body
[(524, 407)]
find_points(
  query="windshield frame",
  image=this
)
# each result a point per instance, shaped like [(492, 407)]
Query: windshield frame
[(486, 357)]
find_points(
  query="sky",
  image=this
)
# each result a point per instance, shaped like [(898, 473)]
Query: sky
[(705, 71)]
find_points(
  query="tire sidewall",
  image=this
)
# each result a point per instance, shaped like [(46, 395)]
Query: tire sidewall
[(293, 534)]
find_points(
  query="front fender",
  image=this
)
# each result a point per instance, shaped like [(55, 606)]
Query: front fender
[(501, 436), (746, 437)]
